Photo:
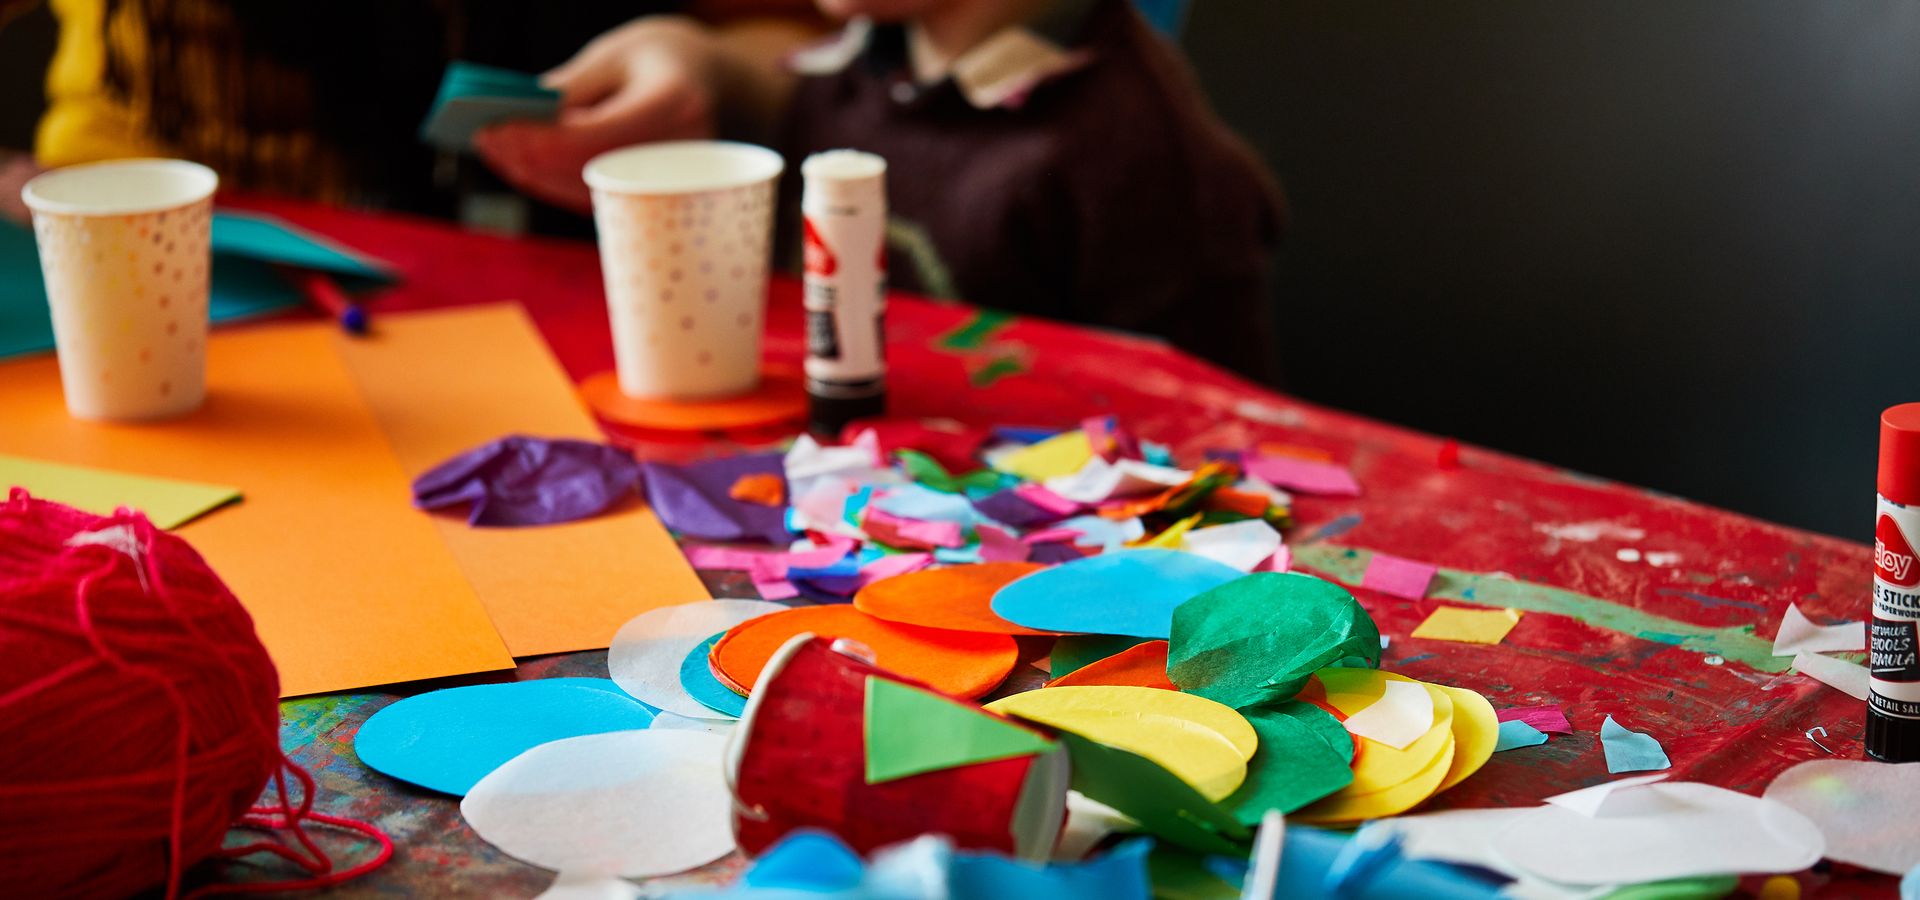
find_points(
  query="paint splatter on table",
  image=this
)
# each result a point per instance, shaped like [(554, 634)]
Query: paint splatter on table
[(1639, 605)]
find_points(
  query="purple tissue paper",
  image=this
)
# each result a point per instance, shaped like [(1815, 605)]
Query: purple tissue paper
[(521, 480), (695, 499)]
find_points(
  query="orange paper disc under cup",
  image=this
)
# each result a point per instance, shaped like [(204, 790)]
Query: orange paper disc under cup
[(959, 598), (964, 664), (781, 397)]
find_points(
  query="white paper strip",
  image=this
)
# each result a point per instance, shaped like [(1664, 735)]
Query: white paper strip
[(1798, 634), (630, 804), (1850, 678)]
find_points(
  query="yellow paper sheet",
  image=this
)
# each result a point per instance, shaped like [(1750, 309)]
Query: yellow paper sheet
[(348, 585), (1062, 454), (1468, 626), (168, 503), (446, 381)]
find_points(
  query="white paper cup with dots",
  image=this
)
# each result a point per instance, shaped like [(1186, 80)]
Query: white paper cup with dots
[(686, 230), (123, 247)]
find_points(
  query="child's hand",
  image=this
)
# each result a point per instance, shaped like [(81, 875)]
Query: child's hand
[(653, 79)]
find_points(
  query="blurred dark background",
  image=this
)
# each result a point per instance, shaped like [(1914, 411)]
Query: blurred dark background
[(1674, 244)]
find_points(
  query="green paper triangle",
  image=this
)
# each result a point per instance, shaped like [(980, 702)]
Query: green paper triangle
[(910, 731)]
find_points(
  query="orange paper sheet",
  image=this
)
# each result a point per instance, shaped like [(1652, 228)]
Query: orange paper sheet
[(347, 584), (446, 381)]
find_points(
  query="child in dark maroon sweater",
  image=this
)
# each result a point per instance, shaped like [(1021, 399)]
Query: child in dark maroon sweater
[(1050, 157), (1064, 164)]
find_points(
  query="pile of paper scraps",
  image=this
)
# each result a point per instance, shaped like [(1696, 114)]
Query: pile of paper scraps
[(983, 681)]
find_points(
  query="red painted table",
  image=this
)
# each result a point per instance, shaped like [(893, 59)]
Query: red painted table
[(1655, 610)]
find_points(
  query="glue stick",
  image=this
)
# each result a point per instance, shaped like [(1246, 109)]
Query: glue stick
[(844, 212), (1893, 649)]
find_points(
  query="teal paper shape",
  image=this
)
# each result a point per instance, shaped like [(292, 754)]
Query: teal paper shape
[(1630, 751), (1516, 734)]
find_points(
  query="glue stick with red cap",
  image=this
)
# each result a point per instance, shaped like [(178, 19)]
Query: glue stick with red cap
[(843, 208), (1893, 698)]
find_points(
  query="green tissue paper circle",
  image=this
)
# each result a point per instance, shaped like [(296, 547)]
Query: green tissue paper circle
[(1255, 640), (1305, 754)]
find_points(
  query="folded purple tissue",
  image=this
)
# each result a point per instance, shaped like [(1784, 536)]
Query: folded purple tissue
[(520, 480)]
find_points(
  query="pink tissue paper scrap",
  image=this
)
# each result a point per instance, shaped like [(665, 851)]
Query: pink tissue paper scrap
[(1398, 577), (1303, 475), (1542, 718)]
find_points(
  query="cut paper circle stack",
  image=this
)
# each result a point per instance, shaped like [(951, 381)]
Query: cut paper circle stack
[(649, 654), (1414, 740)]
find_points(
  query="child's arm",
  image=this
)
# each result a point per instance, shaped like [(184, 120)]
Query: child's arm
[(653, 79)]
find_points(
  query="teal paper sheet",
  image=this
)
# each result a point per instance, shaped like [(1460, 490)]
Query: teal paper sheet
[(246, 248), (473, 96)]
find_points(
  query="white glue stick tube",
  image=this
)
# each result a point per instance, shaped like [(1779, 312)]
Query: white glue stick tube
[(844, 213)]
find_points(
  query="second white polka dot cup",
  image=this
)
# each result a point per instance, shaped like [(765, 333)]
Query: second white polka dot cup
[(123, 247), (686, 231)]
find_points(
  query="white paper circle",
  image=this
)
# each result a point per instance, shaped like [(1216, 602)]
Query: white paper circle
[(1865, 809), (1692, 829), (647, 652), (631, 804)]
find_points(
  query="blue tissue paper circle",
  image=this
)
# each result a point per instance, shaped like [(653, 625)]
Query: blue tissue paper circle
[(697, 678), (1127, 592), (448, 740)]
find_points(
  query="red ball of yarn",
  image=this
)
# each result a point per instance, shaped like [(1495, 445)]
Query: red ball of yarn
[(141, 710)]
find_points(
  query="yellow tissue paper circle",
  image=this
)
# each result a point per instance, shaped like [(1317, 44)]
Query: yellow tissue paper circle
[(1345, 807), (1386, 781), (1378, 766), (1205, 744), (1476, 731)]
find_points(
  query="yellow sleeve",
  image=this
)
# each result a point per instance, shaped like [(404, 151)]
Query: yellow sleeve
[(84, 121)]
